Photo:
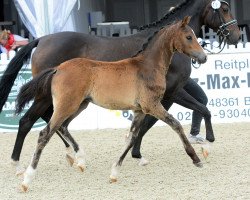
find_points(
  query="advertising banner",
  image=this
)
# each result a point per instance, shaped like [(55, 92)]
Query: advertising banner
[(225, 78)]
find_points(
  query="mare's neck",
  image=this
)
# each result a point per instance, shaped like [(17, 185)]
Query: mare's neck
[(194, 8)]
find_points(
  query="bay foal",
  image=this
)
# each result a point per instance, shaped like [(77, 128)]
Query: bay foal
[(136, 84)]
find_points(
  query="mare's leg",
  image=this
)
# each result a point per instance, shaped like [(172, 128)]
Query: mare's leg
[(145, 125), (159, 112), (25, 124), (196, 92), (134, 129), (186, 100)]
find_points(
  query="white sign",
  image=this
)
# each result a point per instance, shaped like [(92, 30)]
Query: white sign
[(225, 78)]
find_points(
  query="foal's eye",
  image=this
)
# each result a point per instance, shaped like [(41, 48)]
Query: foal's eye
[(189, 37)]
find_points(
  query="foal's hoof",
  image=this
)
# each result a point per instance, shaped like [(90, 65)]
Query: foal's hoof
[(112, 179), (81, 167), (199, 164), (205, 149), (204, 153), (24, 187), (70, 159)]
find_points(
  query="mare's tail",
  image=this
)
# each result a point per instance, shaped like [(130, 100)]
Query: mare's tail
[(40, 86), (14, 66)]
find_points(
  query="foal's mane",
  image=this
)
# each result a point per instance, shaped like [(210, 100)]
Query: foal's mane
[(144, 46)]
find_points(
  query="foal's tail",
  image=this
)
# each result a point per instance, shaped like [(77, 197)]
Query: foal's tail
[(39, 87), (15, 65)]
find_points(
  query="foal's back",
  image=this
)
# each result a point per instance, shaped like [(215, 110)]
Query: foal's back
[(100, 82)]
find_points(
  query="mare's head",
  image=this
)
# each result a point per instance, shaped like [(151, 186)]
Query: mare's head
[(185, 41), (218, 16)]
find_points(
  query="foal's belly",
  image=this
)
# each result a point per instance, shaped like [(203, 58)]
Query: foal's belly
[(115, 92)]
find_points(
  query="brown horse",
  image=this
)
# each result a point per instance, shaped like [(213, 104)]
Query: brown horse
[(54, 49), (137, 84)]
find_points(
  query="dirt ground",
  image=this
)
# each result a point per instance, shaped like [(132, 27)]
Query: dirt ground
[(169, 175)]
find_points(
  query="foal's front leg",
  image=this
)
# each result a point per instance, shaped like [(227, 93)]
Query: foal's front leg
[(145, 125), (78, 154), (159, 112), (135, 127)]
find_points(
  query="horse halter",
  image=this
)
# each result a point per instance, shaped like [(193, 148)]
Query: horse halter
[(222, 32), (223, 28)]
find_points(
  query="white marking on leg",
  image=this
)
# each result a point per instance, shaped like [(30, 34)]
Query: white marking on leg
[(29, 175), (80, 159), (70, 155), (128, 137), (19, 169), (114, 173), (69, 150)]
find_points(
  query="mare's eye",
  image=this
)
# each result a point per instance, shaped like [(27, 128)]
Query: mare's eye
[(189, 37), (225, 10)]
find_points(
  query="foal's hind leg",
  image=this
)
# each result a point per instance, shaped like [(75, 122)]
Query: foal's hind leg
[(61, 113), (135, 127), (159, 112), (39, 108), (69, 151), (43, 139)]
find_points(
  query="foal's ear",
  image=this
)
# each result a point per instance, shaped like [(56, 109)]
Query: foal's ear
[(185, 21)]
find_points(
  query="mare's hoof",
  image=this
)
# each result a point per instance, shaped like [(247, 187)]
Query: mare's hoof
[(24, 187), (143, 162), (210, 139), (70, 159), (199, 164), (112, 179)]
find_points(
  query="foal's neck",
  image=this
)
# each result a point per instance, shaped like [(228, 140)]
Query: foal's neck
[(160, 50)]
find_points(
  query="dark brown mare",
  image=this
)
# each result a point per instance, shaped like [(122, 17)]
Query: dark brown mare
[(54, 49), (137, 84)]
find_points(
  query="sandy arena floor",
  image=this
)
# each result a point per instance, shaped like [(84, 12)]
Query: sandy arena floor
[(169, 175)]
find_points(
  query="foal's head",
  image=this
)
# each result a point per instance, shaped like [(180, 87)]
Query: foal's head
[(185, 41)]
